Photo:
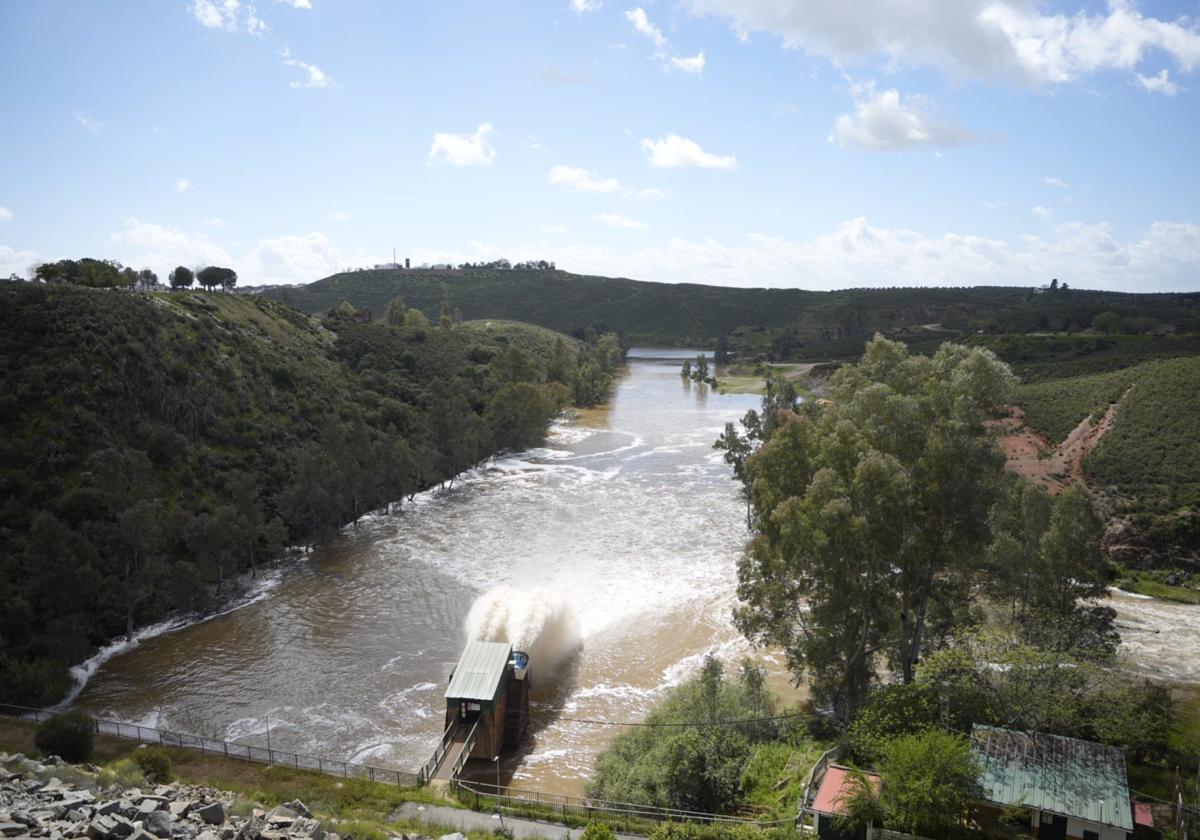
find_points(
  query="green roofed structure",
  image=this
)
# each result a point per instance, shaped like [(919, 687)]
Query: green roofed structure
[(1074, 789)]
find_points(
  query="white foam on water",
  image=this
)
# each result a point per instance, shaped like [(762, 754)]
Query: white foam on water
[(537, 621)]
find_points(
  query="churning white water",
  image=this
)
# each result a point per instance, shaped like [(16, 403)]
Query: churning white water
[(611, 551), (537, 621)]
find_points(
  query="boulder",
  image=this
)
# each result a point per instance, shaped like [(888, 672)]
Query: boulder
[(101, 828), (149, 805), (160, 824), (253, 827), (121, 826), (11, 829), (299, 807), (109, 807), (213, 813), (181, 807)]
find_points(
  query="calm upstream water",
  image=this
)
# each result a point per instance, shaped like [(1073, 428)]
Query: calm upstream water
[(610, 554)]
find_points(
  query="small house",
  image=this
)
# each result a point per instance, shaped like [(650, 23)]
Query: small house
[(833, 790), (490, 687), (1072, 788)]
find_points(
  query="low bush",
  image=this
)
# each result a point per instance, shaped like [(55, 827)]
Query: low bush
[(71, 736), (154, 763)]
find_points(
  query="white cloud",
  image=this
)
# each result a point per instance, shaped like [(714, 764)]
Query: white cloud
[(314, 76), (653, 193), (165, 246), (228, 15), (676, 151), (292, 259), (694, 65), (582, 6), (182, 184), (339, 216), (580, 180), (285, 259), (463, 149), (857, 254), (549, 228), (297, 4), (1056, 183), (87, 122), (882, 120), (1159, 83), (981, 38), (642, 24), (16, 262), (5, 214), (617, 220), (1043, 213)]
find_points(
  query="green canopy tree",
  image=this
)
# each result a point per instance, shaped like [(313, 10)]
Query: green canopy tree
[(182, 277), (871, 512)]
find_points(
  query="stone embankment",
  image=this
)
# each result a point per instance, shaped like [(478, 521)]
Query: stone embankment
[(59, 801)]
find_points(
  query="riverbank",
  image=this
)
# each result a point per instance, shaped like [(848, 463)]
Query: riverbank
[(1163, 584), (736, 379)]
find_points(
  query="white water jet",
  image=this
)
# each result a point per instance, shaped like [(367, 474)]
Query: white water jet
[(537, 621)]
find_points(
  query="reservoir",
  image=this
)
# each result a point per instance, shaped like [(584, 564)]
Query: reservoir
[(613, 549)]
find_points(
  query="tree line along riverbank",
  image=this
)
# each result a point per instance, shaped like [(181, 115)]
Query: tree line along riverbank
[(154, 446)]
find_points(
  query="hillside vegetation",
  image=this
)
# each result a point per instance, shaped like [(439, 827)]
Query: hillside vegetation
[(154, 446), (779, 323)]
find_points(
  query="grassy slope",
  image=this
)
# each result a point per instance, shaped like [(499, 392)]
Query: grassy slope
[(1054, 407)]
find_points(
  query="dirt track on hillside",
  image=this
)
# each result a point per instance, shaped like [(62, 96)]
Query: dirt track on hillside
[(1031, 455)]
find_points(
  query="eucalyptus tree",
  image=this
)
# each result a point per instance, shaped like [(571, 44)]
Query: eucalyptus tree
[(871, 511)]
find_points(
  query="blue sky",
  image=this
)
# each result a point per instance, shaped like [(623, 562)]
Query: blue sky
[(740, 142)]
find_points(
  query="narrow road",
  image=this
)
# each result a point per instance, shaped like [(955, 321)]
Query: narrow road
[(463, 820)]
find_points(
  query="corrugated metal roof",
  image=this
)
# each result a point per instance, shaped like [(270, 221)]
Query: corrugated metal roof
[(837, 787), (1065, 776), (479, 670)]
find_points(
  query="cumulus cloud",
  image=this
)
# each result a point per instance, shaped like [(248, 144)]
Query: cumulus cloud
[(5, 214), (182, 184), (883, 120), (617, 220), (1043, 213), (856, 253), (314, 76), (1056, 183), (579, 7), (16, 262), (463, 149), (641, 23), (981, 38), (676, 151), (580, 180), (293, 258), (694, 65), (229, 16), (165, 246), (297, 4), (1158, 83)]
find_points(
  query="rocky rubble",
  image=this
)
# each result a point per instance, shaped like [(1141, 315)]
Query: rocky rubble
[(58, 801)]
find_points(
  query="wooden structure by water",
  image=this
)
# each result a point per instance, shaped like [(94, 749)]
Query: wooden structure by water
[(487, 708)]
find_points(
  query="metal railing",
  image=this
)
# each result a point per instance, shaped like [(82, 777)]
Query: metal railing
[(431, 766), (465, 754), (229, 749), (562, 806)]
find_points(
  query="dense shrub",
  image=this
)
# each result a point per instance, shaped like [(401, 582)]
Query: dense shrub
[(598, 831), (70, 736), (155, 764)]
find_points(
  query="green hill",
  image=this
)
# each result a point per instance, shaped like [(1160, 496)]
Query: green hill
[(153, 446), (784, 323)]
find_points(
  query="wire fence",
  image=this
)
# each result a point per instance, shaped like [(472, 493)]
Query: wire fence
[(561, 807), (230, 749)]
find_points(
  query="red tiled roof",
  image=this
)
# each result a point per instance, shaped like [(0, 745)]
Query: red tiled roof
[(837, 786), (1141, 814)]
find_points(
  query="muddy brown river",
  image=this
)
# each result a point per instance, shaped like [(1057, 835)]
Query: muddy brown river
[(610, 551)]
